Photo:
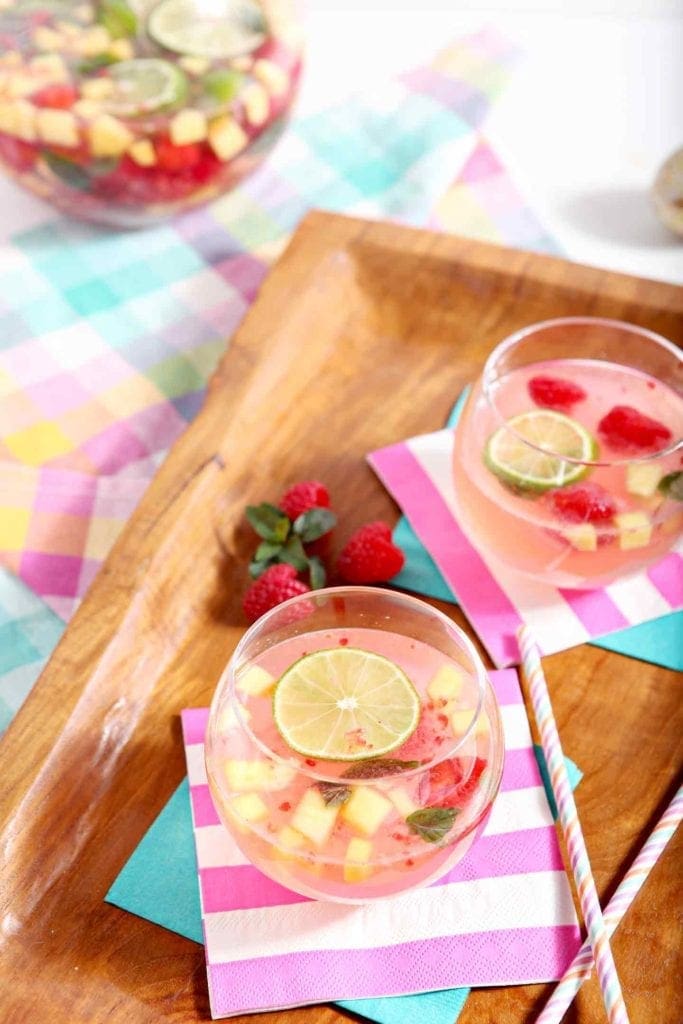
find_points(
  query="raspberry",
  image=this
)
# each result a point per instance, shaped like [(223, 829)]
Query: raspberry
[(369, 556), (58, 96), (627, 429), (445, 786), (555, 393), (277, 584), (304, 496), (583, 503), (176, 159)]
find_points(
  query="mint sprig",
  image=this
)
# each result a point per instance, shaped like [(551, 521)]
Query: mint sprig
[(432, 823), (337, 793), (283, 540)]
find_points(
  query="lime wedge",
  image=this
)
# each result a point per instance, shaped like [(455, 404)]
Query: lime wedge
[(540, 464), (345, 704), (218, 29), (145, 86)]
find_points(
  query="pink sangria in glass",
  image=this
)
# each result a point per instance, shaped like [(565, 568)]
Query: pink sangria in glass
[(568, 456), (354, 745)]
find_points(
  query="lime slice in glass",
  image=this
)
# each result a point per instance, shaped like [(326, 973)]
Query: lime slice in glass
[(540, 464), (218, 29), (345, 704), (145, 86)]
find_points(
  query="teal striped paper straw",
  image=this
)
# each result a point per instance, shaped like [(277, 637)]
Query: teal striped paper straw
[(581, 967), (578, 855)]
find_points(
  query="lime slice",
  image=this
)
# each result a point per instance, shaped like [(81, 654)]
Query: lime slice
[(217, 29), (540, 464), (145, 86), (222, 84), (345, 704)]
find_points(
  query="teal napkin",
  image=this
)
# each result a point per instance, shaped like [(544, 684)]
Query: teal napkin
[(659, 641), (159, 883)]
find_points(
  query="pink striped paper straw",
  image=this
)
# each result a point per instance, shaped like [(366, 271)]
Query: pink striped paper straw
[(578, 855), (581, 967)]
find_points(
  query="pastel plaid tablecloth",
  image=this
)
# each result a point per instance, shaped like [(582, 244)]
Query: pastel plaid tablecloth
[(107, 340)]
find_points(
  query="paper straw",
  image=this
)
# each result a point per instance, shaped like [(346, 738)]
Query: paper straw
[(581, 967), (569, 819)]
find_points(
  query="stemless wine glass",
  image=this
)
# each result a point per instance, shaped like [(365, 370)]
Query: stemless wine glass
[(331, 671), (567, 456), (126, 112)]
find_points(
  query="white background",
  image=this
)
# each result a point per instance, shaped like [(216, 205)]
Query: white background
[(594, 106)]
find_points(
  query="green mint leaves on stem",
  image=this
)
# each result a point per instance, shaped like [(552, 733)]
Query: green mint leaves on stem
[(283, 540), (432, 823)]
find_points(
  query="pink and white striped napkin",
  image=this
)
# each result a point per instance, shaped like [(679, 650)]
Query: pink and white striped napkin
[(418, 474), (503, 916)]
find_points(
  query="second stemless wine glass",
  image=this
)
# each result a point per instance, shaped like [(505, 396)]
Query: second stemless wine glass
[(338, 670), (567, 456)]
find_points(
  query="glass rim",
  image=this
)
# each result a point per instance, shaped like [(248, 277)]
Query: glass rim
[(489, 377), (480, 676)]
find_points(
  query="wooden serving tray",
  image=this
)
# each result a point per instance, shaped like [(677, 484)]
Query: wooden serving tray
[(363, 334)]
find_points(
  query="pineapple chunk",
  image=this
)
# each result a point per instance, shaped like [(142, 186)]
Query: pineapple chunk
[(109, 136), (47, 39), (188, 126), (229, 720), (287, 840), (194, 65), (50, 65), (87, 109), (642, 479), (92, 41), (249, 807), (18, 118), (635, 530), (461, 719), (242, 63), (313, 818), (226, 137), (402, 801), (366, 809), (358, 854), (583, 536), (266, 776), (142, 152), (11, 59), (59, 127), (446, 684), (256, 682), (256, 103), (121, 49), (97, 88), (272, 76), (20, 85)]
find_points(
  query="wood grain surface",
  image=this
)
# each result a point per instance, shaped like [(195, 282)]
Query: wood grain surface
[(362, 335)]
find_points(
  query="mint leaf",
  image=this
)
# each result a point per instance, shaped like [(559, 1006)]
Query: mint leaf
[(314, 523), (334, 795), (266, 549), (293, 553), (432, 823), (375, 767), (91, 64), (672, 485), (317, 570), (257, 567), (269, 522)]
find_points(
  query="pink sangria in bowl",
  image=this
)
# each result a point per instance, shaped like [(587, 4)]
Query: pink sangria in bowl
[(354, 745), (126, 112), (568, 456)]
